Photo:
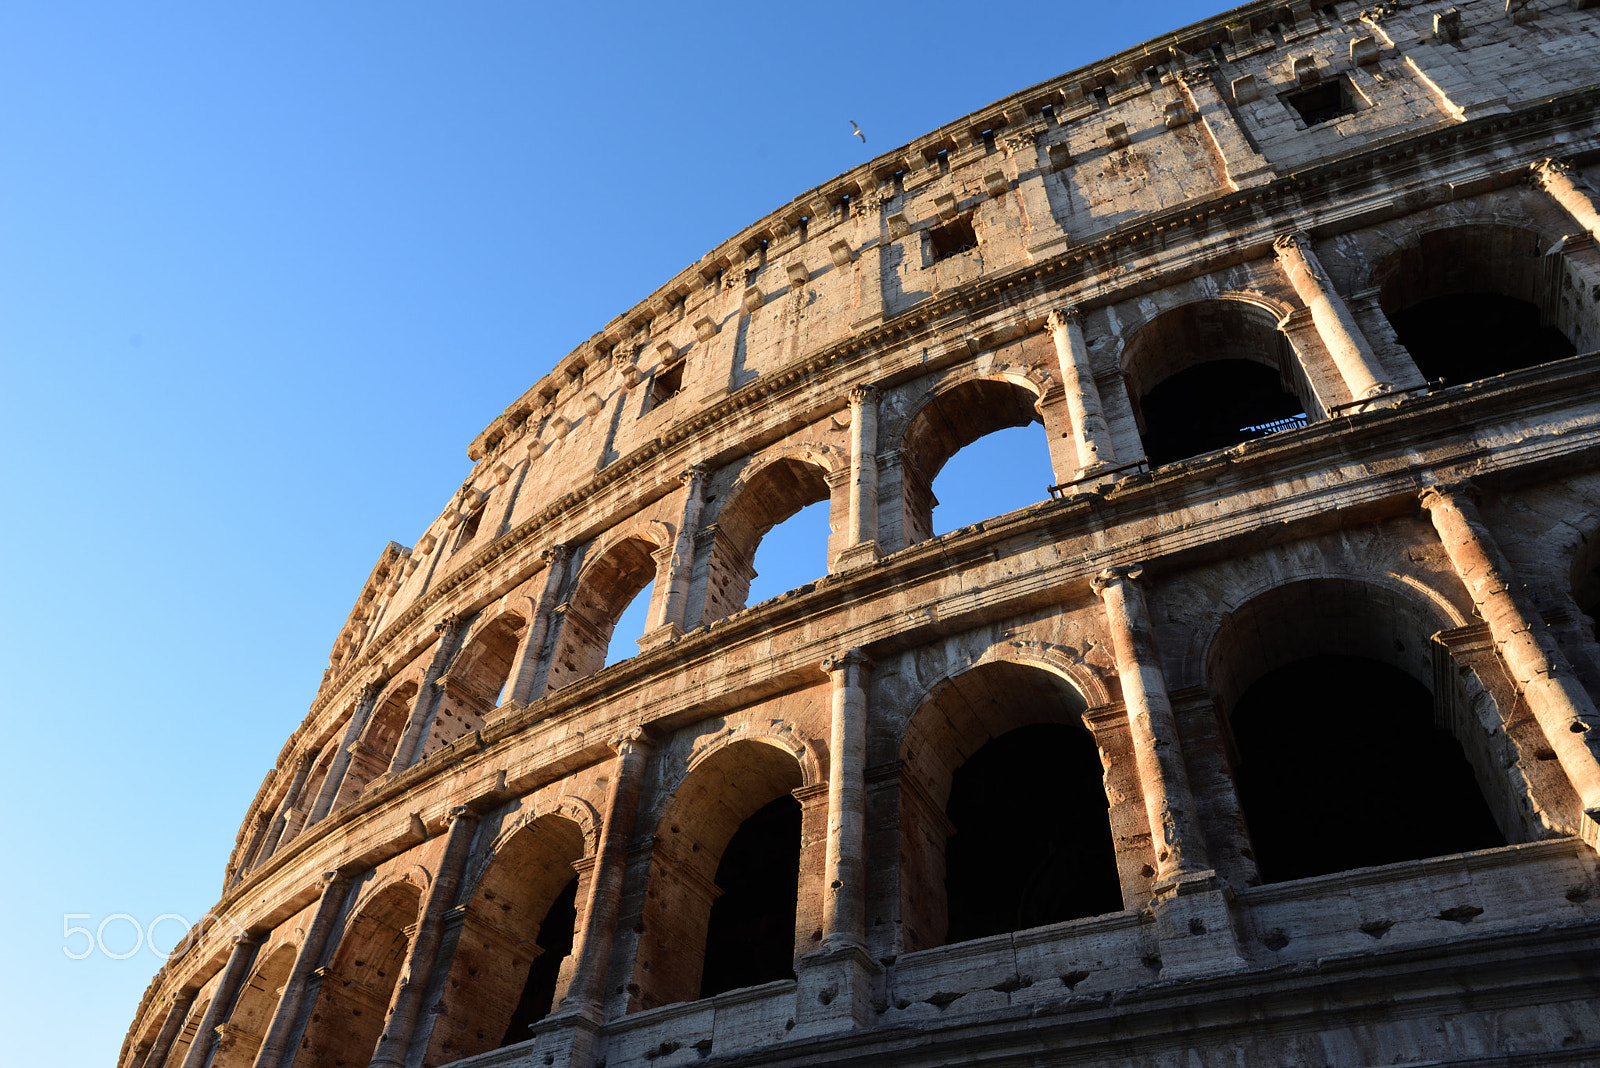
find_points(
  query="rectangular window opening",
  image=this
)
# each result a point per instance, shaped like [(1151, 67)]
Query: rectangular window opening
[(666, 384), (953, 238), (1322, 102)]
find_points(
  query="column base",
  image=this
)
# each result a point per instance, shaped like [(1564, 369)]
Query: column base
[(565, 1039), (1194, 926), (1589, 828), (857, 555), (662, 635), (835, 990)]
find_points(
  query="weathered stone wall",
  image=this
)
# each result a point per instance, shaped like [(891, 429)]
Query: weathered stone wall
[(1245, 205)]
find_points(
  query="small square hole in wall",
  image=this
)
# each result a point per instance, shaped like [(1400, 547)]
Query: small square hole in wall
[(1323, 101), (665, 386), (953, 237)]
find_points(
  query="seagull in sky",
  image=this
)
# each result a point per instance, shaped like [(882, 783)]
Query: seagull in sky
[(858, 132)]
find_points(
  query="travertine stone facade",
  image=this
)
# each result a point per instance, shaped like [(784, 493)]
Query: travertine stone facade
[(1307, 301)]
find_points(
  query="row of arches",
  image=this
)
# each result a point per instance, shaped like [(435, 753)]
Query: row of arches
[(1465, 302), (1325, 737)]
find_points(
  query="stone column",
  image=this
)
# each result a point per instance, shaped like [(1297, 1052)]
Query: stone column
[(448, 630), (290, 798), (177, 1009), (592, 947), (1359, 367), (286, 1015), (1567, 188), (680, 563), (395, 1041), (233, 973), (1091, 436), (1559, 704), (863, 544), (844, 913), (1168, 803), (341, 759), (526, 669)]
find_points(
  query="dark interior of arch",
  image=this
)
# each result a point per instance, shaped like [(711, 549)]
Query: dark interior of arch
[(555, 943), (1214, 405), (1341, 766), (1462, 337), (750, 937), (1032, 842), (1465, 302), (1208, 375)]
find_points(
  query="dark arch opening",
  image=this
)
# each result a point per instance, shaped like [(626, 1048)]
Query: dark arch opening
[(1211, 374), (1341, 766), (1473, 301), (1032, 842), (750, 937), (555, 943), (1213, 405), (1462, 337)]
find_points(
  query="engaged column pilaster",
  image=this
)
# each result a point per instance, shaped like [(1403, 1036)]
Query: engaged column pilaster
[(1563, 709)]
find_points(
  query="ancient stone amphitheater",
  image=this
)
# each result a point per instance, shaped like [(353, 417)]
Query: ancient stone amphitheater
[(1267, 737)]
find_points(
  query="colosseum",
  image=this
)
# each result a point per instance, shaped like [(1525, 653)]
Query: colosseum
[(1268, 736)]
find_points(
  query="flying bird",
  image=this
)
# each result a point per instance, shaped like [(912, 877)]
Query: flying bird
[(858, 132)]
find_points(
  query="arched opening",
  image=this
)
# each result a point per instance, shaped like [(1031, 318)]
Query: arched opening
[(1341, 766), (748, 940), (999, 473), (372, 752), (603, 590), (633, 622), (792, 553), (1050, 858), (948, 423), (1328, 684), (773, 495), (252, 1012), (473, 686), (1474, 301), (353, 999), (513, 954), (735, 787), (1209, 375), (1004, 819)]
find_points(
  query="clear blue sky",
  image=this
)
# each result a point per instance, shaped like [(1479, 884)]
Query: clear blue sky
[(264, 271)]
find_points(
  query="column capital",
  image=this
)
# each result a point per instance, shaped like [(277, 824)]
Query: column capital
[(629, 741), (371, 690), (556, 554), (449, 624), (1064, 315), (1542, 172), (1443, 493), (846, 660), (694, 473), (180, 997), (1116, 576), (862, 394), (328, 878), (1295, 240)]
